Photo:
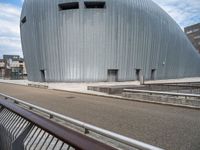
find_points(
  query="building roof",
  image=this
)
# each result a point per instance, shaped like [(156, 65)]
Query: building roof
[(13, 57)]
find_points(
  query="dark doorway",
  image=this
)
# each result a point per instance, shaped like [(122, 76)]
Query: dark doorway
[(137, 72), (42, 75), (112, 75), (153, 71)]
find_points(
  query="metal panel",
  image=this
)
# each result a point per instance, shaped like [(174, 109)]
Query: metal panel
[(82, 44)]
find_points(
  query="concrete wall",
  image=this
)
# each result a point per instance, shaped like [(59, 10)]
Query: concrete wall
[(177, 100)]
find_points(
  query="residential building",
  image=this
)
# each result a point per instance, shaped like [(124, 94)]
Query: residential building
[(12, 67), (193, 33)]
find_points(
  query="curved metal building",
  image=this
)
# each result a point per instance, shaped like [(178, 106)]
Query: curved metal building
[(104, 40)]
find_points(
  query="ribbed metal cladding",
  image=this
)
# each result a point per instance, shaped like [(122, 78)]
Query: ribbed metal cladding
[(82, 44)]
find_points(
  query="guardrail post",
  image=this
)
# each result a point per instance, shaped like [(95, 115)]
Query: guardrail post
[(1, 108), (86, 131), (18, 144), (16, 102), (50, 116)]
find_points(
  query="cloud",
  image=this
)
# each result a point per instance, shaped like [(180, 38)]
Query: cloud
[(184, 12), (9, 29)]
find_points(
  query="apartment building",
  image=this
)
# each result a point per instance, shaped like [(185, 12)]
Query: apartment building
[(193, 33)]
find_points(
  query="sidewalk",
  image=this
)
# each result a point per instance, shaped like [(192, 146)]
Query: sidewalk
[(70, 87), (82, 87)]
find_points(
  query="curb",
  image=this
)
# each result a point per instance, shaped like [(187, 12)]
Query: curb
[(129, 99)]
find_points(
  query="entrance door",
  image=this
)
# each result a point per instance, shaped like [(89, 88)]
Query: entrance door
[(137, 72), (153, 74), (42, 75), (112, 75)]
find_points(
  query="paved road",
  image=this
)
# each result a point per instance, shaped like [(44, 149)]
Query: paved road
[(168, 127)]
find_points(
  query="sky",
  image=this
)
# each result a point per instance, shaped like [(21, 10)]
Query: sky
[(184, 12)]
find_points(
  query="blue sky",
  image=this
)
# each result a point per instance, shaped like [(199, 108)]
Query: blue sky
[(184, 12), (13, 2)]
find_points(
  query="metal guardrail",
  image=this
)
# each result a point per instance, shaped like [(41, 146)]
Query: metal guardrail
[(162, 93), (174, 83), (179, 88), (87, 127), (22, 129)]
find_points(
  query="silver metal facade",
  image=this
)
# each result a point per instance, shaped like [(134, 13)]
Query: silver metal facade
[(80, 45)]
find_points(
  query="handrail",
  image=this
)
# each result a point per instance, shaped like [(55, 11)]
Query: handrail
[(67, 135), (163, 93), (88, 127), (174, 85), (171, 82)]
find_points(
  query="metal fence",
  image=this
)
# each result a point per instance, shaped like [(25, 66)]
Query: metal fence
[(31, 129), (22, 129)]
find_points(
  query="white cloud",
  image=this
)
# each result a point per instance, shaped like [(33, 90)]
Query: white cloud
[(9, 29), (184, 12)]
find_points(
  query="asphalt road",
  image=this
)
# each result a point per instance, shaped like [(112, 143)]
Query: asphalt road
[(168, 127)]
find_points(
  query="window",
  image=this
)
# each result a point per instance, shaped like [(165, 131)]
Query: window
[(95, 4), (192, 31), (195, 30), (23, 20), (188, 32), (197, 37), (66, 6)]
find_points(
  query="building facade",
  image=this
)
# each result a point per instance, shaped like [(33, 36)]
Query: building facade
[(193, 33), (106, 40), (12, 67), (2, 68)]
